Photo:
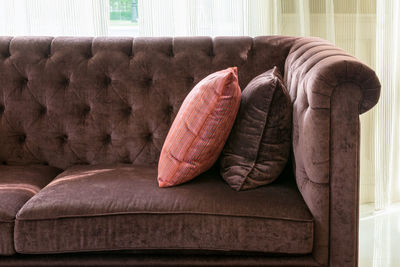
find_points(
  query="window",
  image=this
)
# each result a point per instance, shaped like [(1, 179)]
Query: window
[(123, 18)]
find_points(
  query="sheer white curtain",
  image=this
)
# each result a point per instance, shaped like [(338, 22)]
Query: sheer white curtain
[(54, 17), (387, 157), (191, 17), (231, 17)]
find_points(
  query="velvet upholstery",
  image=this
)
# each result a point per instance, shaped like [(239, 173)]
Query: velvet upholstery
[(104, 100), (329, 89), (17, 185), (155, 259), (123, 208), (259, 144), (74, 100)]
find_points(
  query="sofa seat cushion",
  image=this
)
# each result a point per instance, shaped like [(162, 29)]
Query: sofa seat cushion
[(17, 185), (121, 207)]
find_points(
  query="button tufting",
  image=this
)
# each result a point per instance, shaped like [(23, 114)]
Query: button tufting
[(86, 110), (149, 137), (21, 138), (42, 110), (149, 81), (24, 81), (126, 159), (4, 163), (63, 138), (128, 111), (66, 82), (170, 109), (107, 80), (107, 139), (2, 109), (190, 79)]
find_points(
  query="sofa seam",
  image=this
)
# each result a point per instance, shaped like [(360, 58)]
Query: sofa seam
[(4, 221), (306, 221), (254, 162), (153, 248)]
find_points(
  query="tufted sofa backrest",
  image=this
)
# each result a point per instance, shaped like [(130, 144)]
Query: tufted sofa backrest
[(66, 101)]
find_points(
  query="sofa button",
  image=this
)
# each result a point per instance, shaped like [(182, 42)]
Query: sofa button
[(63, 138), (170, 110), (2, 108), (107, 80), (128, 111), (24, 82), (66, 82), (86, 110), (22, 138), (126, 159), (149, 81), (107, 139), (190, 79), (149, 137), (42, 110)]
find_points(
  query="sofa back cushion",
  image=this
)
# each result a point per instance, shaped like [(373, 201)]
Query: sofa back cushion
[(66, 100)]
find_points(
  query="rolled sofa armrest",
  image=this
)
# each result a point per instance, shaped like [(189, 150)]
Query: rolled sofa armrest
[(329, 89)]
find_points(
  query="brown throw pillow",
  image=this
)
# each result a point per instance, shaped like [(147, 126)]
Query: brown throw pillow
[(259, 144)]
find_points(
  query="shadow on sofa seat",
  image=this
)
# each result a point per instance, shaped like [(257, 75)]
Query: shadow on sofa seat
[(120, 207)]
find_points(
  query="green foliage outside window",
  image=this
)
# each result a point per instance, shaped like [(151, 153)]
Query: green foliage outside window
[(123, 10)]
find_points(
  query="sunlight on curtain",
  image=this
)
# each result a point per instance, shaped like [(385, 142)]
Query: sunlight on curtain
[(191, 17), (54, 17), (387, 158)]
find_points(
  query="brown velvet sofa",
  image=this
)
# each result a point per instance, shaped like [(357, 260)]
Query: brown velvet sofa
[(82, 123)]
